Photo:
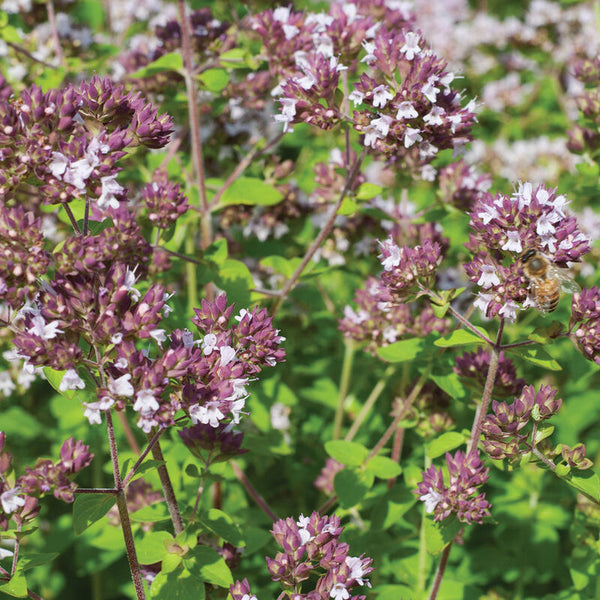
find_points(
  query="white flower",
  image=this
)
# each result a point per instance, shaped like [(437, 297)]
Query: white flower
[(357, 570), (513, 242), (434, 117), (243, 313), (71, 381), (431, 499), (207, 414), (544, 225), (411, 136), (145, 401), (381, 95), (429, 90), (130, 279), (146, 423), (395, 254), (46, 331), (339, 592), (227, 355), (7, 385), (281, 14), (92, 412), (411, 47), (290, 31), (489, 277), (509, 310), (4, 553), (159, 335), (121, 386), (406, 111), (489, 213), (279, 414), (209, 343), (357, 97), (58, 165), (370, 49), (110, 188), (288, 112), (11, 501), (482, 301)]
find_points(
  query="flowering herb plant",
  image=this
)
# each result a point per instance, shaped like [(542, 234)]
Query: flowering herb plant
[(259, 262)]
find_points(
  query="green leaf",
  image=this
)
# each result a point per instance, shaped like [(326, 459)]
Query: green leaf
[(89, 508), (222, 525), (403, 351), (17, 586), (366, 191), (152, 547), (446, 442), (210, 566), (96, 227), (543, 431), (450, 383), (151, 514), (347, 453), (172, 61), (460, 337), (214, 80), (348, 207), (536, 355), (439, 535), (351, 486), (29, 561), (17, 422), (440, 310), (384, 467), (585, 481), (250, 190), (179, 584)]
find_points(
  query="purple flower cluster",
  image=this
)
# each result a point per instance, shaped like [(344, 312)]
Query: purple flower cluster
[(584, 136), (311, 547), (165, 202), (18, 502), (69, 141), (533, 218), (585, 322), (506, 433), (466, 473), (47, 476), (379, 322), (473, 366), (409, 270), (461, 185)]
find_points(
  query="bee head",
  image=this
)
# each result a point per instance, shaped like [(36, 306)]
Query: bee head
[(535, 264)]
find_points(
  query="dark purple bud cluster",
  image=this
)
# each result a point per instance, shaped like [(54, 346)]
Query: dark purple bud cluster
[(430, 410), (461, 185), (473, 367), (23, 258), (70, 140), (165, 202), (574, 457), (379, 322), (508, 226), (408, 270), (584, 136), (466, 473), (212, 444), (506, 434), (47, 476), (311, 547), (585, 322)]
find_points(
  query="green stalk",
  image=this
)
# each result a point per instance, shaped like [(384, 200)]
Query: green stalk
[(349, 351)]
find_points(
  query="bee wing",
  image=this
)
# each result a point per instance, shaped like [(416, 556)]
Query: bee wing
[(565, 277)]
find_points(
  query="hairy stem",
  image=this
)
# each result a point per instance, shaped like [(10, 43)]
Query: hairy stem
[(54, 30), (291, 282), (123, 511), (349, 350), (142, 457), (167, 486), (488, 389), (440, 573), (260, 501)]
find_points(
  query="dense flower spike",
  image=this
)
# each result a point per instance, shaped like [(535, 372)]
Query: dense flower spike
[(585, 322), (380, 322), (474, 366), (312, 545), (532, 219), (466, 474), (506, 433)]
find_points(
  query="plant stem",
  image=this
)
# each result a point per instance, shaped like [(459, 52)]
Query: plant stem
[(396, 451), (167, 486), (123, 511), (55, 36), (407, 404), (469, 325), (291, 282), (349, 350), (368, 405), (142, 456), (487, 391), (128, 433), (440, 572), (260, 501), (186, 50)]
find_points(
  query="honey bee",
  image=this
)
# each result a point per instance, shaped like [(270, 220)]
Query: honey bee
[(546, 280)]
